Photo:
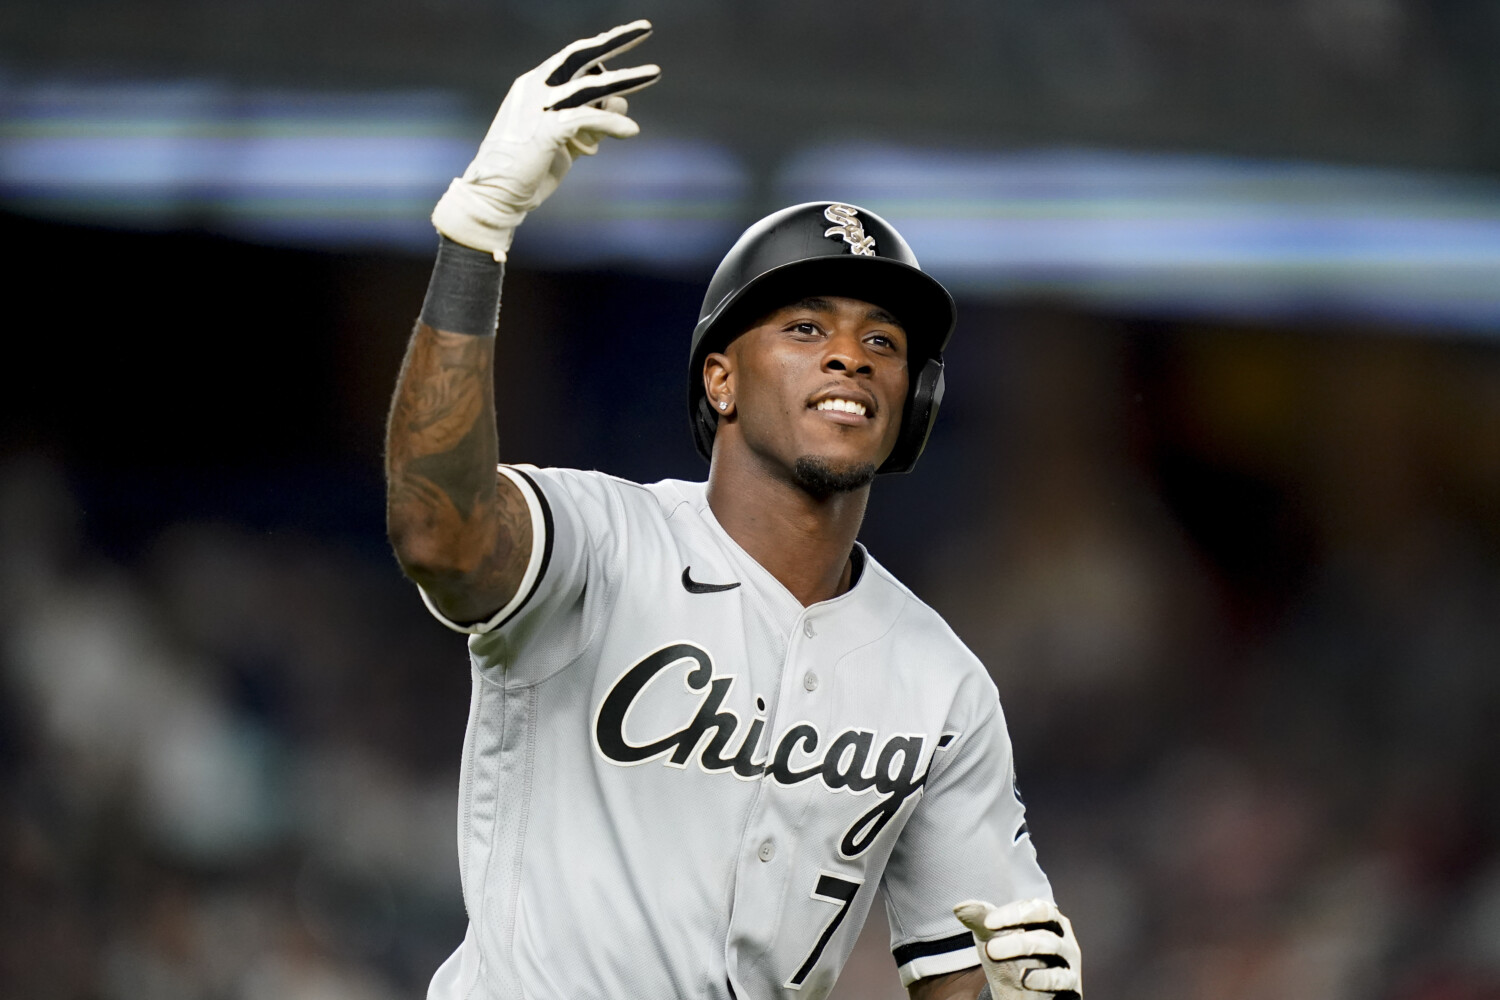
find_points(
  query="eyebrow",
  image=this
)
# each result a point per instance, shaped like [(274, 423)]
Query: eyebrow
[(874, 315)]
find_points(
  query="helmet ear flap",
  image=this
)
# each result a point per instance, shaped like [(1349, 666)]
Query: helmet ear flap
[(705, 426), (921, 413)]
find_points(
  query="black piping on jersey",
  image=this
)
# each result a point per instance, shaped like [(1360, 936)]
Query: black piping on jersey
[(541, 572), (856, 566), (909, 953)]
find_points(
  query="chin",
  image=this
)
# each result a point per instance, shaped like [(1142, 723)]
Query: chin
[(823, 477)]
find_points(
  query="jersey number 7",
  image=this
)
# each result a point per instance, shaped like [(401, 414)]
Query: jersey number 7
[(830, 889)]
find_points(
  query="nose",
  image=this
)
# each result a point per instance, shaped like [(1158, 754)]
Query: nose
[(844, 353)]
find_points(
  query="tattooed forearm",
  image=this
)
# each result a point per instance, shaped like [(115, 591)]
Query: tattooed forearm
[(453, 468), (458, 529)]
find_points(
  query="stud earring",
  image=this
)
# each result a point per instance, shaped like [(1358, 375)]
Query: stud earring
[(723, 405)]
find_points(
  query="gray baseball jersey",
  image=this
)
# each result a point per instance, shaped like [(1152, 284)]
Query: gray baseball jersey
[(679, 782)]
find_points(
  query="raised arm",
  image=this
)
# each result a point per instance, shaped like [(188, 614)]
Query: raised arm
[(459, 529)]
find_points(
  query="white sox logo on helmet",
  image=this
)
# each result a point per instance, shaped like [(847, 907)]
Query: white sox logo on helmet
[(843, 766), (847, 226)]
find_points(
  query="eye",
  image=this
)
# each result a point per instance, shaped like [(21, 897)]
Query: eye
[(883, 340), (806, 327)]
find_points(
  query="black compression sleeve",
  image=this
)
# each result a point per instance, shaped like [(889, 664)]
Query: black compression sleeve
[(464, 293)]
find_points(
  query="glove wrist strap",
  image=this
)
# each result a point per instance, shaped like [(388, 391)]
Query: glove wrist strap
[(463, 295)]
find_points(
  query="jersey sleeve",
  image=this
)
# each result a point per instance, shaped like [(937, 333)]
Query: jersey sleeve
[(966, 839), (575, 517), (543, 532)]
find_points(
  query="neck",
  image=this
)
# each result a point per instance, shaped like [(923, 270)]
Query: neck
[(802, 540)]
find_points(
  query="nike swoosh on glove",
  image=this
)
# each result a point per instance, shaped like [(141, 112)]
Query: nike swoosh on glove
[(1026, 947), (553, 113)]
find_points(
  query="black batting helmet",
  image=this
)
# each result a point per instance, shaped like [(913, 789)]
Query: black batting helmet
[(827, 248)]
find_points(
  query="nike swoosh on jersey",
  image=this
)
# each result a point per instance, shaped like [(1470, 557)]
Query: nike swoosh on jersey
[(694, 587)]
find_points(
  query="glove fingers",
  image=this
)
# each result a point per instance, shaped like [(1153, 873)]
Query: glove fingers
[(597, 86), (1017, 944), (1023, 911), (1007, 979), (1054, 980), (576, 120), (613, 103), (971, 913), (583, 53), (985, 918), (1069, 949)]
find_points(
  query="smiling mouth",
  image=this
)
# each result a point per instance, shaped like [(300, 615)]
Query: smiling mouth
[(842, 406)]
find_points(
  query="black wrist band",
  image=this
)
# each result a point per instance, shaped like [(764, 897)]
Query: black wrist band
[(463, 295)]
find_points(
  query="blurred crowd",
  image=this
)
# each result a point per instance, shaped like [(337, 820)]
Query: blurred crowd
[(1257, 695), (1241, 600), (229, 764)]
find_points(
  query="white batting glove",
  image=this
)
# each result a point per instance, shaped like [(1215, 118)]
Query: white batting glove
[(1027, 947), (557, 111)]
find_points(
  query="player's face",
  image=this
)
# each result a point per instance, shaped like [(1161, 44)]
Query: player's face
[(823, 380)]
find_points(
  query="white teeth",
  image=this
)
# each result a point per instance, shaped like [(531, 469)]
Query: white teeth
[(845, 405)]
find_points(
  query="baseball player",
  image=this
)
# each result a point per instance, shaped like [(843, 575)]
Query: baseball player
[(706, 725)]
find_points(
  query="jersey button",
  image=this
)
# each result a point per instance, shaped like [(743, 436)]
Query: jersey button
[(807, 628), (767, 851), (810, 681)]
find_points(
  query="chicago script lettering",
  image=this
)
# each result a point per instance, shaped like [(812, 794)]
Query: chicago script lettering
[(843, 766)]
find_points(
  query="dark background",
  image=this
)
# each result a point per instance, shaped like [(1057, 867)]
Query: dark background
[(1236, 577)]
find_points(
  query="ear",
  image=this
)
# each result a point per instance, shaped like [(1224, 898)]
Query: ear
[(718, 383)]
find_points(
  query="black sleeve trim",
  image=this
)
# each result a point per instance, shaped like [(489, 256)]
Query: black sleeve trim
[(541, 572), (925, 949)]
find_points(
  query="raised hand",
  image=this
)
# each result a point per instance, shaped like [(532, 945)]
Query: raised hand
[(553, 113)]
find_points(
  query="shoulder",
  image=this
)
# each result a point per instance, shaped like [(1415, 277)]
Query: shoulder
[(580, 482), (668, 493), (918, 617), (676, 497), (941, 655), (583, 485), (602, 504)]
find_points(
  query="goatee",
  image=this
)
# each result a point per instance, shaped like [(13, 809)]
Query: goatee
[(822, 480)]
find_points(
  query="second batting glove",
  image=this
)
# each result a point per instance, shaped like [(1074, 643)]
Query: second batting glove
[(1027, 949), (555, 112)]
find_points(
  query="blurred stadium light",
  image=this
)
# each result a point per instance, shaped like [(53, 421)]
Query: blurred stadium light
[(280, 167), (665, 203), (1177, 233), (333, 170), (1168, 233)]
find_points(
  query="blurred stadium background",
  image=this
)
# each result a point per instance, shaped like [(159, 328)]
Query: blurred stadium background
[(1215, 492)]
